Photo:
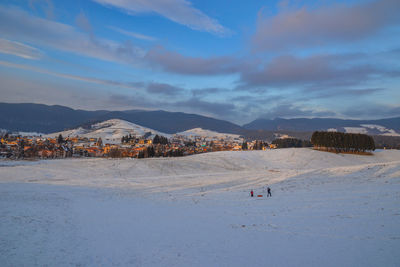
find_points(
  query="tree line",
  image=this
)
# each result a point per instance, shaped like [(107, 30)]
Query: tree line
[(128, 138), (342, 142), (258, 145), (291, 142), (160, 140)]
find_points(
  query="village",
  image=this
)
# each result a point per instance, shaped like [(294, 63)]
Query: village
[(15, 146)]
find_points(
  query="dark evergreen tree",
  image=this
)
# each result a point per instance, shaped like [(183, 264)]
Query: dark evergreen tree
[(150, 151), (156, 139), (100, 142), (160, 140), (60, 139), (190, 144), (244, 146)]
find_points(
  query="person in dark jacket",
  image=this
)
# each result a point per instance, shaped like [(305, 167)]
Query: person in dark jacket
[(269, 192)]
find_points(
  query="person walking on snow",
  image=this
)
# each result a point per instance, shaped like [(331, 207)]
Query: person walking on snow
[(251, 193), (269, 192)]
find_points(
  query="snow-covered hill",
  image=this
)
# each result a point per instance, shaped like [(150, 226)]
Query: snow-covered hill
[(326, 209), (244, 168), (208, 135), (380, 130), (110, 131), (370, 129)]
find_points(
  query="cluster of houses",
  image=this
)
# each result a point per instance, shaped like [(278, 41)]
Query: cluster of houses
[(17, 147)]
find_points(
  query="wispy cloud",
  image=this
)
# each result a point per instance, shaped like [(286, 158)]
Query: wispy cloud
[(208, 91), (302, 27), (340, 92), (316, 71), (133, 34), (374, 110), (179, 11), (206, 108), (15, 89), (46, 5), (289, 110), (171, 61), (19, 25), (132, 85), (219, 109), (83, 23), (163, 89), (19, 49)]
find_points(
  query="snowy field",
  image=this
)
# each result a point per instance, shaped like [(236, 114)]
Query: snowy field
[(326, 210)]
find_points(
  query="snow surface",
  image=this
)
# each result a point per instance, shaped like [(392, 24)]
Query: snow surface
[(326, 210), (356, 130), (382, 129), (30, 134), (210, 135), (110, 131), (371, 129), (282, 136)]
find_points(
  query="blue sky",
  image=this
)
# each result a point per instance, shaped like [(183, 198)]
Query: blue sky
[(228, 59)]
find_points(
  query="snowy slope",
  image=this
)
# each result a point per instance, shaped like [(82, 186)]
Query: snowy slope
[(110, 131), (381, 129), (207, 134), (371, 129), (234, 169), (326, 210), (360, 130)]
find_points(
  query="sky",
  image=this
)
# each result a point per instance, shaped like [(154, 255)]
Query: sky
[(228, 59)]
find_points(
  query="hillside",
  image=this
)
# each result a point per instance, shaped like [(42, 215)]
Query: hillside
[(110, 131), (209, 135), (326, 210), (231, 170)]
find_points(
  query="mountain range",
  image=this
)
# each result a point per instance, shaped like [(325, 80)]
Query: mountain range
[(48, 119), (28, 117)]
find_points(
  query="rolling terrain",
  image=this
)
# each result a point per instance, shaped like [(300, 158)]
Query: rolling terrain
[(326, 210)]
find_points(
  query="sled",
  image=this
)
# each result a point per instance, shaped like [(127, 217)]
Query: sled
[(259, 195)]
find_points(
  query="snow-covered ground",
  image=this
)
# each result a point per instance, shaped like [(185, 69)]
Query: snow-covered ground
[(208, 134), (326, 210), (370, 129), (356, 130), (383, 130)]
